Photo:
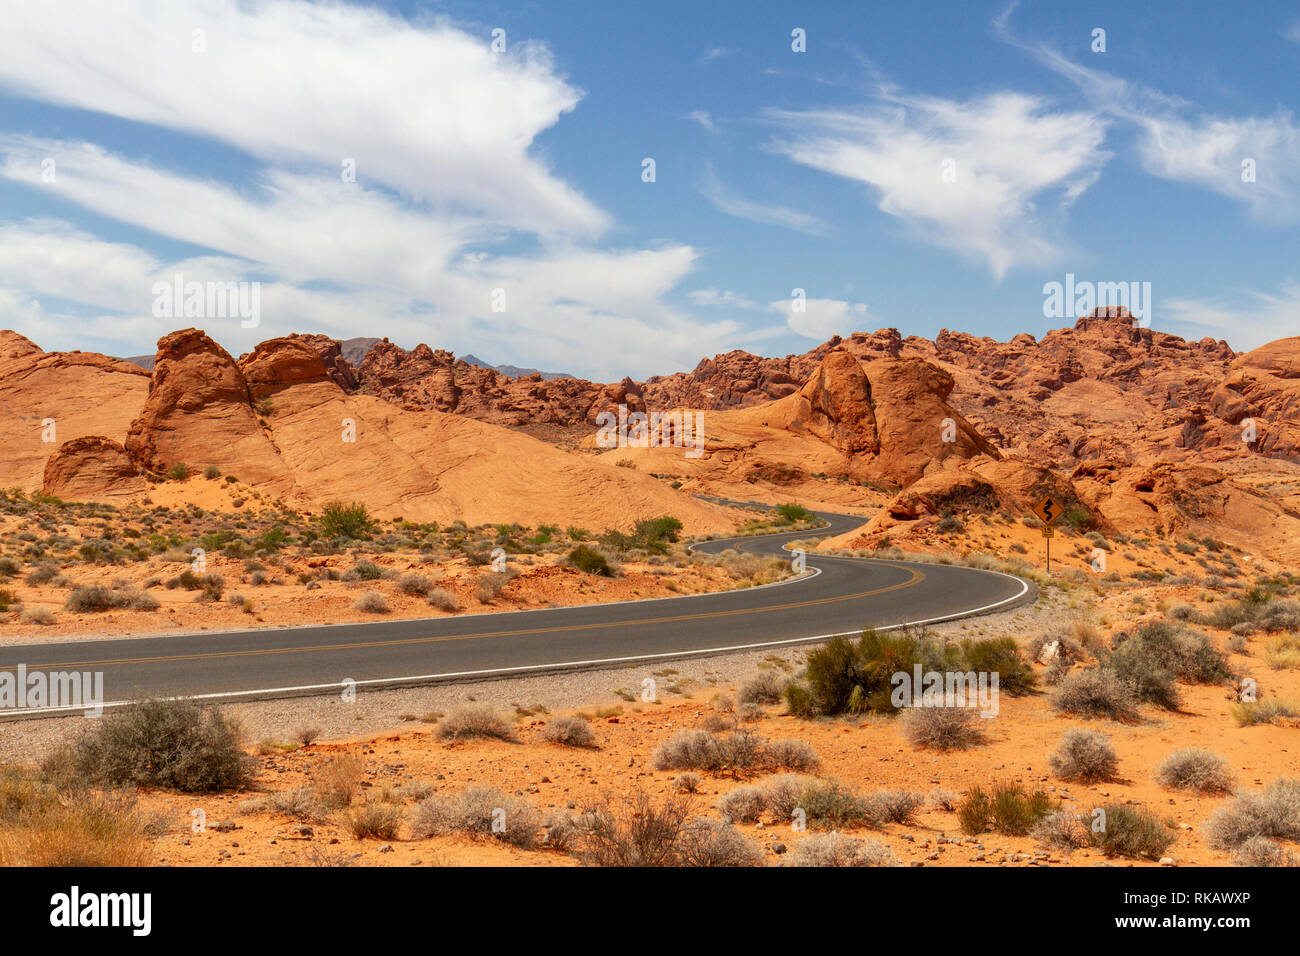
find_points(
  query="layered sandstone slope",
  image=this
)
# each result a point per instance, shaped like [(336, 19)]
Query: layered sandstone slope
[(49, 398), (434, 466)]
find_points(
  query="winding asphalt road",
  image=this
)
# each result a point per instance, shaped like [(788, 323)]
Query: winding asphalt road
[(837, 595)]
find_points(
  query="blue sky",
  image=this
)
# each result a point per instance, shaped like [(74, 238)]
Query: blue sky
[(217, 156)]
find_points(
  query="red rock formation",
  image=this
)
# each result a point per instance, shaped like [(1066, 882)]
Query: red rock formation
[(91, 468), (198, 413)]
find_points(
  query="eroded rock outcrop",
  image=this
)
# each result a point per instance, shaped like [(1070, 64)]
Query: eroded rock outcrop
[(91, 468)]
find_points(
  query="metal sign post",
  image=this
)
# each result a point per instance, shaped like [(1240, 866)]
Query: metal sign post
[(1048, 510)]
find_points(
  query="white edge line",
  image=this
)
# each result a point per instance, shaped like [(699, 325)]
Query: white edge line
[(542, 668)]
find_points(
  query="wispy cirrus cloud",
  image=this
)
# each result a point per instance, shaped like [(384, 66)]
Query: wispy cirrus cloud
[(1252, 159), (1247, 318), (771, 214), (986, 178)]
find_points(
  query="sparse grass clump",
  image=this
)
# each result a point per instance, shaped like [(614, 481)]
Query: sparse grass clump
[(637, 831), (169, 744), (832, 849), (479, 812), (374, 820), (1250, 713), (337, 780), (1201, 771), (1085, 756), (1095, 692), (474, 721), (569, 731), (765, 687), (442, 599), (1126, 831), (372, 602), (1274, 814), (736, 752), (45, 828), (942, 728)]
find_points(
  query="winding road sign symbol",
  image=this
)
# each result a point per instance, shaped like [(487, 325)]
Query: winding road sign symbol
[(1048, 509)]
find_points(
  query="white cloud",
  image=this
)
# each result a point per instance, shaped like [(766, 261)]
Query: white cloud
[(703, 118), (822, 318), (720, 298), (768, 213), (1179, 143), (407, 251), (426, 110), (1008, 153), (1247, 322)]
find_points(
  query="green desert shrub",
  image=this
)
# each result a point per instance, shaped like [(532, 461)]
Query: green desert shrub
[(1126, 831)]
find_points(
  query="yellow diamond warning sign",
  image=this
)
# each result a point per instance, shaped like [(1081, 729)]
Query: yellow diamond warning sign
[(1048, 509)]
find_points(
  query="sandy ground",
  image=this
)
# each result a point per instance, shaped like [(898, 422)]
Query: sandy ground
[(389, 733)]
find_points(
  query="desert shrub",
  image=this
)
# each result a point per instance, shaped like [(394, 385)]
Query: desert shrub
[(1064, 830), (792, 513), (413, 582), (795, 755), (338, 520), (442, 599), (1275, 813), (559, 832), (589, 561), (43, 573), (169, 744), (1001, 656), (1279, 616), (306, 735), (178, 472), (9, 567), (473, 721), (705, 842), (763, 688), (336, 780), (744, 804), (1261, 851), (1125, 831), (364, 570), (37, 615), (1084, 755), (944, 799), (687, 783), (569, 731), (845, 676), (478, 812), (490, 586), (1187, 653), (372, 602), (1095, 692), (1143, 676), (94, 598), (941, 728), (374, 820), (830, 804), (1182, 612), (892, 806), (832, 849), (1008, 809), (633, 831), (700, 750), (1202, 771)]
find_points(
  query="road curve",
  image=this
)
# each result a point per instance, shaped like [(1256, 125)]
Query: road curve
[(837, 595)]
